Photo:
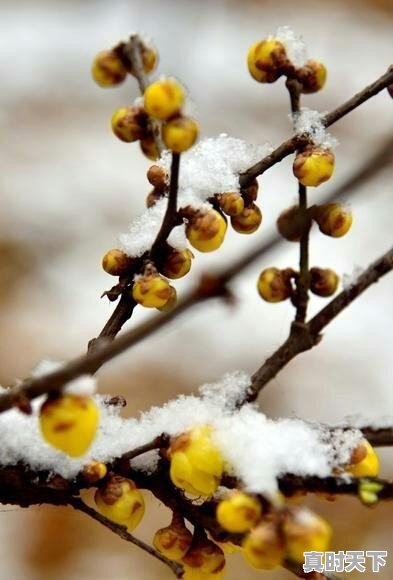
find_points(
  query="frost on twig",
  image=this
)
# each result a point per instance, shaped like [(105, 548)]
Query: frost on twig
[(310, 123), (257, 448), (212, 166)]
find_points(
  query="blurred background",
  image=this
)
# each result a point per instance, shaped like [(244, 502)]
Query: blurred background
[(68, 188)]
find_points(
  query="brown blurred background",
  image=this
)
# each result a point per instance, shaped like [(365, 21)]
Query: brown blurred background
[(68, 188)]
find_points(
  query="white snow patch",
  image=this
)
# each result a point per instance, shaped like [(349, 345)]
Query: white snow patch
[(348, 280), (257, 449), (310, 122), (294, 44), (212, 166), (360, 420)]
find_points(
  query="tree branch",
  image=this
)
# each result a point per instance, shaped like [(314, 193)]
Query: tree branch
[(305, 337), (290, 145), (122, 532)]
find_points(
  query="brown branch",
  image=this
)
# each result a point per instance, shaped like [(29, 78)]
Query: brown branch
[(304, 337), (122, 532), (132, 52), (290, 145), (301, 338), (378, 437), (290, 485), (170, 218)]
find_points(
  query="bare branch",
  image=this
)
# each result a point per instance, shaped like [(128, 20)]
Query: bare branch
[(305, 337), (290, 145), (122, 532)]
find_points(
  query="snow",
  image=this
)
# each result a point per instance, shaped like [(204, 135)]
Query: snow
[(257, 449), (360, 420), (294, 44), (310, 122), (212, 166)]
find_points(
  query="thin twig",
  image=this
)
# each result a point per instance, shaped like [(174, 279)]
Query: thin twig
[(122, 532), (306, 336), (290, 145), (132, 51), (170, 216), (290, 484), (303, 280)]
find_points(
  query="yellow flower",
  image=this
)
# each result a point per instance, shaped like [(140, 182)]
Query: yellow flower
[(205, 556), (69, 423), (232, 203), (179, 134), (163, 99), (119, 500), (177, 263), (248, 221), (263, 547), (313, 166), (264, 59), (304, 531), (174, 541), (129, 123), (107, 69), (206, 230), (239, 512), (151, 291), (274, 285), (196, 463), (333, 219), (364, 461), (312, 76), (116, 262)]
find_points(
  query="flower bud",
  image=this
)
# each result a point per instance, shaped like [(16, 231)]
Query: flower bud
[(179, 134), (196, 463), (323, 282), (177, 263), (312, 76), (129, 123), (304, 531), (263, 547), (313, 166), (171, 302), (364, 461), (368, 492), (333, 219), (231, 203), (239, 512), (149, 57), (158, 177), (163, 99), (69, 423), (248, 221), (205, 556), (149, 147), (174, 541), (94, 471), (153, 197), (264, 59), (274, 285), (108, 70), (119, 500), (292, 222), (151, 290), (117, 263), (206, 230)]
